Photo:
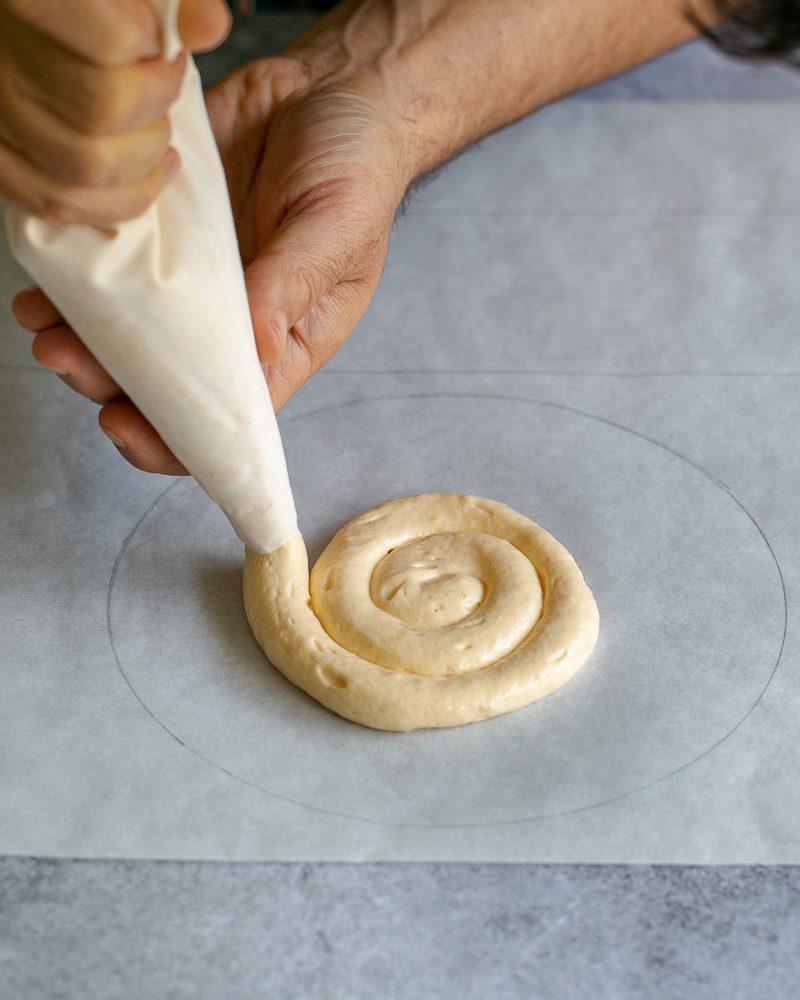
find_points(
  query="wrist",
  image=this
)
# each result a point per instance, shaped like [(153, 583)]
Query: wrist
[(451, 71), (357, 48)]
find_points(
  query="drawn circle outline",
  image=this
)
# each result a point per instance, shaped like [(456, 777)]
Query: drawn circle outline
[(495, 823)]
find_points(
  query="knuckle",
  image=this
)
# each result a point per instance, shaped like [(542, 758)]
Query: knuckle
[(128, 39), (90, 165), (108, 105), (123, 99)]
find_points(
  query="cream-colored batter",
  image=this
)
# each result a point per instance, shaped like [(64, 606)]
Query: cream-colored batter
[(429, 611)]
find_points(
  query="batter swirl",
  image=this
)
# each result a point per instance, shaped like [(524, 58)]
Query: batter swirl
[(429, 611)]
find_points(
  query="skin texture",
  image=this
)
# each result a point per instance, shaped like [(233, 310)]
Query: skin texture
[(319, 147), (84, 135), (430, 611)]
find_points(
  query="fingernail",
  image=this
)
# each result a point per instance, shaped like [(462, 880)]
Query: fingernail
[(113, 438)]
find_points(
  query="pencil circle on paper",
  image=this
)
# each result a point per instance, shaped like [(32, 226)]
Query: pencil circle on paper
[(691, 598)]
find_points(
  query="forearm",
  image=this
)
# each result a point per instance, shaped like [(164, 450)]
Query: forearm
[(459, 69)]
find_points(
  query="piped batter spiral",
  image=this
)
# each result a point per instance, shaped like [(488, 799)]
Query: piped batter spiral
[(429, 611)]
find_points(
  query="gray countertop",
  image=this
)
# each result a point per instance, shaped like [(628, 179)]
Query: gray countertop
[(121, 929)]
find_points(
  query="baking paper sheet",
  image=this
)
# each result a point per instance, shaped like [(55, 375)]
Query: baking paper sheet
[(591, 318)]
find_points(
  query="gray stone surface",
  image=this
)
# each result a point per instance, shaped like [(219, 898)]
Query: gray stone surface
[(134, 931), (699, 72)]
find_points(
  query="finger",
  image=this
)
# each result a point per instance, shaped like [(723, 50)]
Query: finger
[(94, 99), (137, 439), (75, 158), (239, 110), (317, 337), (317, 246), (25, 186), (33, 310), (107, 34), (97, 100), (60, 350), (204, 24)]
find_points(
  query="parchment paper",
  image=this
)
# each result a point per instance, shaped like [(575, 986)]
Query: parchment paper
[(591, 318)]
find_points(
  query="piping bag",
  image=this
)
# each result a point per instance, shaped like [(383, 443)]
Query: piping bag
[(161, 303)]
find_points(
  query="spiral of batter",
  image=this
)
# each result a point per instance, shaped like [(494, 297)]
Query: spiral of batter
[(428, 611)]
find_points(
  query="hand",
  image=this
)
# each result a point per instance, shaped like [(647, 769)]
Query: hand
[(315, 176), (84, 134)]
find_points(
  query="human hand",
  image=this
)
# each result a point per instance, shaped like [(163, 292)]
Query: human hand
[(84, 92), (315, 177)]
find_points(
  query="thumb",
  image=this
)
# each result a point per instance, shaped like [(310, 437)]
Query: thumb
[(203, 24), (309, 255)]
